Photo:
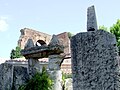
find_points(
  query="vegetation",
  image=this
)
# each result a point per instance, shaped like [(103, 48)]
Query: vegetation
[(103, 28), (115, 29), (70, 35), (65, 76), (15, 53), (40, 81)]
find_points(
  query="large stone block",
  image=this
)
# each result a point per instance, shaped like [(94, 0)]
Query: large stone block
[(11, 77), (6, 76), (20, 76), (95, 61)]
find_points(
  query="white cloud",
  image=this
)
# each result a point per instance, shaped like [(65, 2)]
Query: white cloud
[(3, 24)]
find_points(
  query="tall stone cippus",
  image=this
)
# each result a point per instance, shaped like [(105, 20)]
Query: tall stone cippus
[(54, 64), (51, 51), (95, 61), (91, 19)]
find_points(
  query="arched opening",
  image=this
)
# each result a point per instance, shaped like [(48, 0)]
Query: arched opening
[(40, 43)]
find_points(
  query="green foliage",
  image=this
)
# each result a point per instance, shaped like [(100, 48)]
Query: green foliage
[(103, 28), (40, 81), (65, 76), (15, 53), (12, 54), (115, 29), (70, 35)]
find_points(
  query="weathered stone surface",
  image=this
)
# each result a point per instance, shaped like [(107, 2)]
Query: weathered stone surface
[(68, 84), (6, 76), (20, 76), (54, 41), (54, 71), (33, 67), (42, 51), (56, 76), (29, 44), (11, 77), (91, 19), (54, 62), (95, 61)]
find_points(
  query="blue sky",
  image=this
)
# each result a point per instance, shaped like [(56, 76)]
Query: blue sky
[(50, 16)]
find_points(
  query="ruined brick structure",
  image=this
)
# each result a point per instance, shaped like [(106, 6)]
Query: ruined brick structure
[(37, 36), (27, 33)]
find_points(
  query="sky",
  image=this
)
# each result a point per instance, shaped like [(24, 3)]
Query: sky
[(50, 16)]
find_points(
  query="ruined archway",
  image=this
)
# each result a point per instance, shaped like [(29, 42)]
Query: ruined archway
[(40, 43)]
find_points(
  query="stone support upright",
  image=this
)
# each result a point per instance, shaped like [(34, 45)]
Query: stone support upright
[(54, 64), (33, 66), (55, 72), (33, 63)]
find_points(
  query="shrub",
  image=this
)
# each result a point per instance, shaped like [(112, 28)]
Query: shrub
[(40, 81)]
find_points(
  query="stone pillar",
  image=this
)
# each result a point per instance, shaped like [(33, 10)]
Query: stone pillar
[(91, 19), (55, 72), (33, 66), (95, 61)]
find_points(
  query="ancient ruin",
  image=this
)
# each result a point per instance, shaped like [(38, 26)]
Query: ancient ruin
[(39, 37), (12, 76), (95, 59), (36, 36), (52, 51)]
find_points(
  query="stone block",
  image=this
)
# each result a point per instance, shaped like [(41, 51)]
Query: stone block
[(20, 76), (95, 61), (6, 76)]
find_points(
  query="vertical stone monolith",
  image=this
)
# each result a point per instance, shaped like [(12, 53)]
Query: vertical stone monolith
[(55, 72), (54, 64), (91, 19), (95, 61)]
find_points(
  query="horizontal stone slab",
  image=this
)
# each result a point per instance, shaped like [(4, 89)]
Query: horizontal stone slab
[(42, 51)]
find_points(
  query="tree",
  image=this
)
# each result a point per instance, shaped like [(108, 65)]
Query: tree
[(70, 35), (115, 29), (18, 52), (15, 53), (12, 54)]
